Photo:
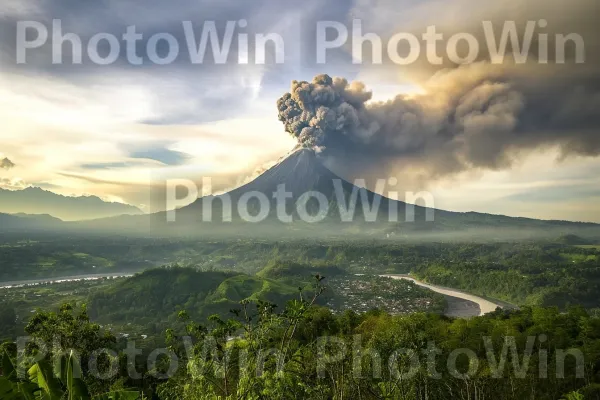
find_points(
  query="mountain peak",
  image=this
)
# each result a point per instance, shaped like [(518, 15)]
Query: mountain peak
[(301, 172)]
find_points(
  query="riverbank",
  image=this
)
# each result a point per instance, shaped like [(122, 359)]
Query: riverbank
[(459, 303)]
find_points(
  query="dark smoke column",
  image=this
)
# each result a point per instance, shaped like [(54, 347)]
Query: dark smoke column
[(474, 117), (317, 112)]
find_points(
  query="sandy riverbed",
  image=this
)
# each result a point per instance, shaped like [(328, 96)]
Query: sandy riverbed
[(460, 304)]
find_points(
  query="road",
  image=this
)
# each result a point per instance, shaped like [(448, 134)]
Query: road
[(460, 304)]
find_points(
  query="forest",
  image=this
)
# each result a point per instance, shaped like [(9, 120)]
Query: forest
[(304, 351)]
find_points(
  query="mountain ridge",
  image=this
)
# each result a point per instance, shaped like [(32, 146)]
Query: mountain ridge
[(35, 200)]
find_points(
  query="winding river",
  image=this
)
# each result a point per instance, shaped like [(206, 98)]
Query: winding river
[(459, 304)]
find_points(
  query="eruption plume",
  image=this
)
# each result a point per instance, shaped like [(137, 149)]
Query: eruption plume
[(327, 107), (472, 117)]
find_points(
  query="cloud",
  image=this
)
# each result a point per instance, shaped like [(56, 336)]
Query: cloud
[(179, 93), (159, 152), (5, 163), (110, 165), (476, 117), (13, 184)]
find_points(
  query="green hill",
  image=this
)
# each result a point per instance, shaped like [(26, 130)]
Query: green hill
[(292, 271), (243, 287), (157, 295)]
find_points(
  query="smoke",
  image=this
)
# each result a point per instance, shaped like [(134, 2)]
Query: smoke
[(472, 117), (317, 112), (5, 163)]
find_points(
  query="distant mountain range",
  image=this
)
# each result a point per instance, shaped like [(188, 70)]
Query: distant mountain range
[(34, 200)]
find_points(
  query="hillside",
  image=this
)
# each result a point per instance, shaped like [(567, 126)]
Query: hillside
[(245, 287), (159, 294), (279, 269), (25, 222)]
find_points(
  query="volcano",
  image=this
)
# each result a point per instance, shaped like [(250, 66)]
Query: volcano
[(318, 204), (302, 172), (300, 175)]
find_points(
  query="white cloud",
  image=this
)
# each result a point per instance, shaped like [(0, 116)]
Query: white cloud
[(54, 126)]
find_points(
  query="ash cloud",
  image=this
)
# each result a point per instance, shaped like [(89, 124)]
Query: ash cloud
[(472, 117), (6, 164)]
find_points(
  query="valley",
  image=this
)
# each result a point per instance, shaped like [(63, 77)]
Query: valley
[(98, 272)]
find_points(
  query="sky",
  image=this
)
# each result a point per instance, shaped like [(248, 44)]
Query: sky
[(506, 138)]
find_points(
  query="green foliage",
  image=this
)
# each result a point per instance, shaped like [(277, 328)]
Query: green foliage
[(264, 352), (531, 274), (8, 321), (573, 396), (528, 274), (42, 383), (214, 371)]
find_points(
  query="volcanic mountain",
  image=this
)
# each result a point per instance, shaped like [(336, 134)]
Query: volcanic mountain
[(318, 203), (304, 179), (302, 173)]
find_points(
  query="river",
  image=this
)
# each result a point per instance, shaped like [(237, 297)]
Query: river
[(459, 304), (75, 278)]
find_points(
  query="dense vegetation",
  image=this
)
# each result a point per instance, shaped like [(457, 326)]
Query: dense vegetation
[(546, 275), (306, 352), (151, 300), (17, 304)]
